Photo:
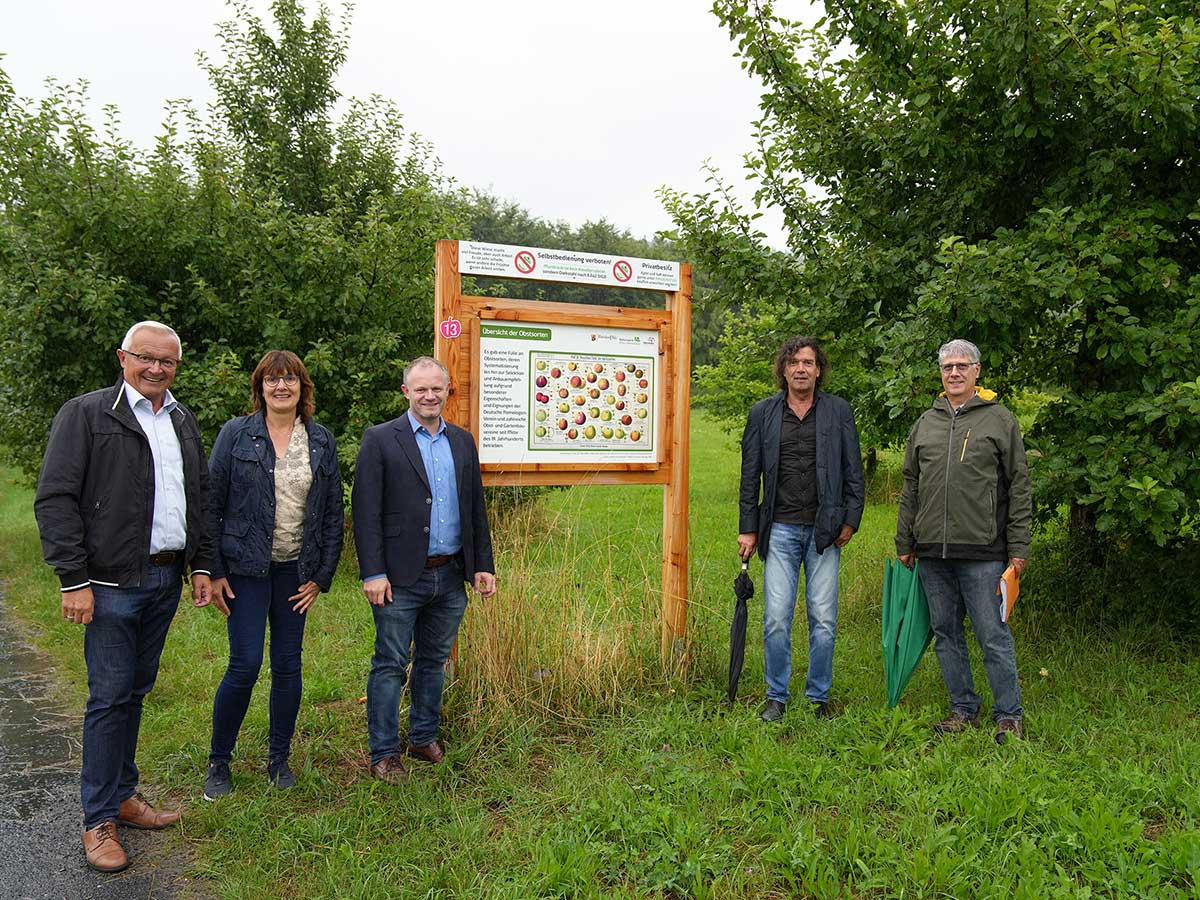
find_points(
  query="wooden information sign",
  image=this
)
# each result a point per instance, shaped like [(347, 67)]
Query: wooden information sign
[(566, 393)]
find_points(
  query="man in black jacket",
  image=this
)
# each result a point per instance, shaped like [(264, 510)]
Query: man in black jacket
[(421, 531), (801, 447), (120, 506)]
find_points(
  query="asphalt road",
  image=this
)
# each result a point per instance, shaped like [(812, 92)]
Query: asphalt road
[(41, 848)]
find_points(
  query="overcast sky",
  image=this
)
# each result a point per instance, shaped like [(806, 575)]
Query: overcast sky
[(576, 111)]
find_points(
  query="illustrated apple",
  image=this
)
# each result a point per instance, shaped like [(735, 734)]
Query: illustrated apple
[(635, 435), (598, 367), (589, 432), (619, 375), (602, 384), (591, 377), (593, 412), (641, 413), (638, 374), (580, 400), (540, 431), (573, 433), (606, 416), (572, 366), (562, 392), (580, 418), (610, 399), (555, 372), (562, 424), (540, 415), (641, 398), (576, 381), (620, 404), (621, 390), (564, 406), (629, 367), (594, 393), (542, 398), (619, 433), (606, 431), (627, 419), (643, 383), (541, 365), (540, 381)]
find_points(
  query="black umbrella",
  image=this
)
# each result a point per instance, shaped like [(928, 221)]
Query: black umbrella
[(743, 589)]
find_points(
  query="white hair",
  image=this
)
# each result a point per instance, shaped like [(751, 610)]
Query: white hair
[(150, 325), (958, 347), (421, 362)]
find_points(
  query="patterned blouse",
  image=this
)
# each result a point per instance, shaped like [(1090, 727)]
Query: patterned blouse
[(293, 478)]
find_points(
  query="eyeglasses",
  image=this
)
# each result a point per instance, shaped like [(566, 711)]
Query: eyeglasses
[(169, 364), (275, 380), (957, 367)]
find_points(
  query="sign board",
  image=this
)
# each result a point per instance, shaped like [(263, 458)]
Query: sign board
[(567, 393), (574, 267)]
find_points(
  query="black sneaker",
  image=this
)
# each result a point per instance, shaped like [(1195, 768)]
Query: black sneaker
[(280, 774), (773, 711), (217, 782), (822, 710)]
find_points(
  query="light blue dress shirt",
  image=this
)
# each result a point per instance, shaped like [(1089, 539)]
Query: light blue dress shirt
[(168, 530), (445, 528)]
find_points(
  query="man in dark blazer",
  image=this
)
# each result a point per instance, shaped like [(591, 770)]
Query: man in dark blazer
[(800, 447), (421, 530)]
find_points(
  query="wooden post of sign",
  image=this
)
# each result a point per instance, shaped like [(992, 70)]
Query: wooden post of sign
[(675, 493)]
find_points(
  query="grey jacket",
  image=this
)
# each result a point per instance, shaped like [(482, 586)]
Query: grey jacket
[(966, 488), (839, 469)]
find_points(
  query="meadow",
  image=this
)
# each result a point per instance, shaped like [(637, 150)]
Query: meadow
[(577, 767)]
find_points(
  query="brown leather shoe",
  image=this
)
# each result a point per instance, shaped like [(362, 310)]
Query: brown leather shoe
[(956, 723), (1009, 727), (103, 849), (430, 752), (390, 769), (137, 813)]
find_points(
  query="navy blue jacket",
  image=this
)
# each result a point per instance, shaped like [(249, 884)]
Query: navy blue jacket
[(392, 504), (839, 469), (242, 502)]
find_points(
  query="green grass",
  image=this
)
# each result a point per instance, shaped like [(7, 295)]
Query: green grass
[(577, 769)]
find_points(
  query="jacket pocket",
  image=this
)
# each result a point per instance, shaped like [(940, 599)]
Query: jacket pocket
[(233, 538)]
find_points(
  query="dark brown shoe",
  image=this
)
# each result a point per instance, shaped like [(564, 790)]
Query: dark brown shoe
[(103, 849), (430, 752), (137, 813), (956, 723), (390, 769), (1009, 727)]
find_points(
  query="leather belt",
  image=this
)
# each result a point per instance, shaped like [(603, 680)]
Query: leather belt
[(166, 558), (436, 562)]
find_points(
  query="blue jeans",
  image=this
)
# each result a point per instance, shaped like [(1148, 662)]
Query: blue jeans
[(425, 616), (256, 602), (958, 587), (788, 548), (122, 646)]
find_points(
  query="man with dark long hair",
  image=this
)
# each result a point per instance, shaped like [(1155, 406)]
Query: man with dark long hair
[(801, 500)]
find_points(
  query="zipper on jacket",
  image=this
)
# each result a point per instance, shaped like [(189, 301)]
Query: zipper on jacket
[(946, 487)]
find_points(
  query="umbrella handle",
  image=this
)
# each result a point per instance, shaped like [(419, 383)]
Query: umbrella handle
[(745, 565)]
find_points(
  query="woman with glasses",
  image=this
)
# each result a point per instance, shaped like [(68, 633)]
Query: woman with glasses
[(276, 513)]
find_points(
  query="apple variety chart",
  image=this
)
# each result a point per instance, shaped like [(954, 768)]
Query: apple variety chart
[(563, 393)]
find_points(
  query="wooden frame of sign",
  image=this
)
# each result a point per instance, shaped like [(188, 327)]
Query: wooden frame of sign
[(669, 463)]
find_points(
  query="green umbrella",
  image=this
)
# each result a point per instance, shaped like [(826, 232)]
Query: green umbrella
[(906, 631)]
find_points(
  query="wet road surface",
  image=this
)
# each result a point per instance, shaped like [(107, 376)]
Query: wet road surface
[(41, 848)]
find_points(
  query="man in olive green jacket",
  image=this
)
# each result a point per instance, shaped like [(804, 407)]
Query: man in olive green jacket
[(965, 512)]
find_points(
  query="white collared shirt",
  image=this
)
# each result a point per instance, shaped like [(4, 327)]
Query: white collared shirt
[(168, 530)]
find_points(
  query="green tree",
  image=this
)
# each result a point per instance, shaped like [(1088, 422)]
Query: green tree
[(1022, 174), (268, 223)]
